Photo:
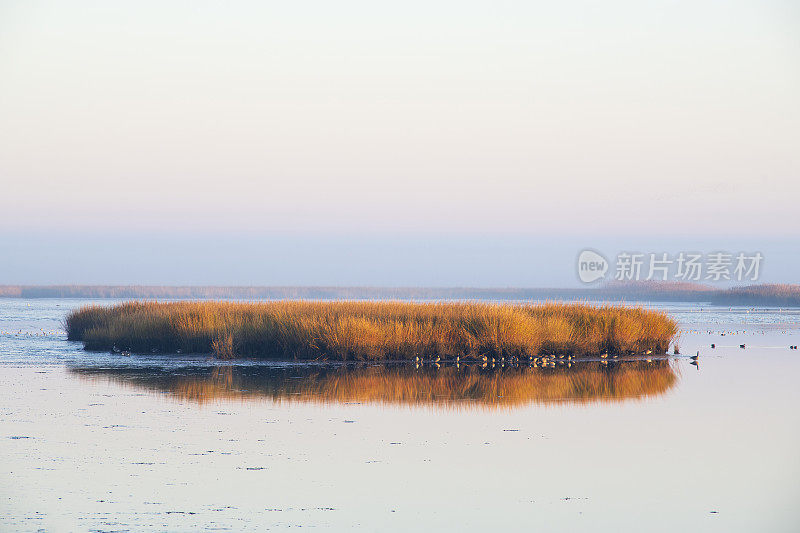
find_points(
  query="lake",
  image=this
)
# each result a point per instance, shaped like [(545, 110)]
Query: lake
[(101, 442)]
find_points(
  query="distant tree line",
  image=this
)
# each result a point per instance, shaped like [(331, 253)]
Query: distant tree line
[(763, 295)]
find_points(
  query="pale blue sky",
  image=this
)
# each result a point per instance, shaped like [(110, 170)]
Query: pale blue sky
[(474, 120)]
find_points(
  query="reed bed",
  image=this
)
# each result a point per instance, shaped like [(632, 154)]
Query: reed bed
[(345, 330), (784, 295)]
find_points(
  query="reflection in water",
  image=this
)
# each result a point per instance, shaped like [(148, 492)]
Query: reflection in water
[(402, 384)]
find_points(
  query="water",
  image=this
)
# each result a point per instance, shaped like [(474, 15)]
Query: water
[(101, 442)]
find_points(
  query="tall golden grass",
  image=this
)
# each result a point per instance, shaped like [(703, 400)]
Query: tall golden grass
[(371, 330), (585, 382)]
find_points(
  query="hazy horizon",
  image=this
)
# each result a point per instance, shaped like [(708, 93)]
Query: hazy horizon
[(403, 260), (441, 144)]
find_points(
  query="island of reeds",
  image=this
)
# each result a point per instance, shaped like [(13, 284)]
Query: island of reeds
[(347, 330)]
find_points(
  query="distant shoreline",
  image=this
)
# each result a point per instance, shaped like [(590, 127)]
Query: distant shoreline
[(753, 295)]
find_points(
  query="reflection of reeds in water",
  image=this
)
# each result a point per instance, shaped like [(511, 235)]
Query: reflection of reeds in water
[(371, 330), (584, 382)]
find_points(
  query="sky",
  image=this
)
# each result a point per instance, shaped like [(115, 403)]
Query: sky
[(423, 143)]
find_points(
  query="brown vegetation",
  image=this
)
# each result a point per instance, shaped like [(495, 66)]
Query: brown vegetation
[(371, 330), (767, 294)]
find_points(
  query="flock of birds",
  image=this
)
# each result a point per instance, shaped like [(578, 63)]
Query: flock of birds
[(694, 358), (551, 361), (545, 361), (40, 333)]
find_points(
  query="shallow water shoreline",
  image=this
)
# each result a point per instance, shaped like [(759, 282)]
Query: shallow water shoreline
[(153, 442)]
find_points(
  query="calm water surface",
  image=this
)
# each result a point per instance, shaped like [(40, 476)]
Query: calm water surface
[(101, 442)]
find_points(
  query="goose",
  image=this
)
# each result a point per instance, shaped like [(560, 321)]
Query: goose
[(694, 357), (741, 346)]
